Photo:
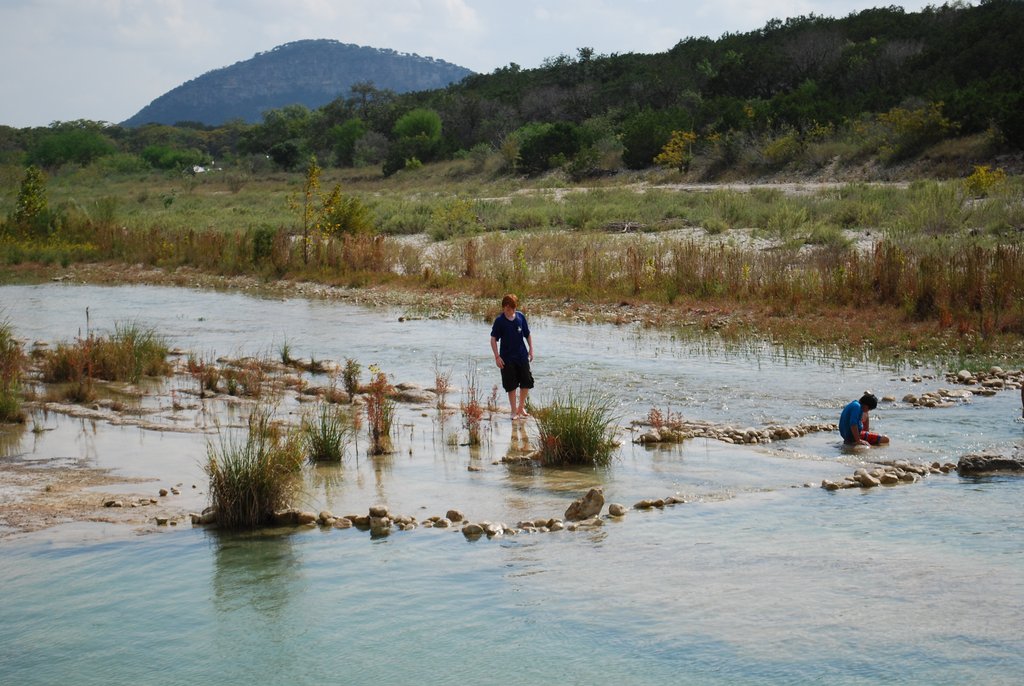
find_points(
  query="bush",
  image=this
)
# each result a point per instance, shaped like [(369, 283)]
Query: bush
[(326, 434), (576, 428), (251, 478)]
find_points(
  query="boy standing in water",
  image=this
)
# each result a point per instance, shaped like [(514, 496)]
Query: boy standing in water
[(854, 422), (511, 329)]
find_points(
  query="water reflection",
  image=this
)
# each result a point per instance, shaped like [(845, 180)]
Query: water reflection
[(11, 436), (255, 573)]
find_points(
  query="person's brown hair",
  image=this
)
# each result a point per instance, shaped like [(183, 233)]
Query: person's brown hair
[(510, 300)]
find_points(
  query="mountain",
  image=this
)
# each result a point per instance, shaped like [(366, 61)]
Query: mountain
[(306, 72)]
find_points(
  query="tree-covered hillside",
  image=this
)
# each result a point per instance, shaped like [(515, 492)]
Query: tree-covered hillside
[(879, 86), (306, 72)]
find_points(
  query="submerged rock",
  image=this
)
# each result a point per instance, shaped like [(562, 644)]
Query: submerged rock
[(972, 465)]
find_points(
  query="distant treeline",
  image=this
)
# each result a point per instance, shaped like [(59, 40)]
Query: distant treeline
[(880, 83)]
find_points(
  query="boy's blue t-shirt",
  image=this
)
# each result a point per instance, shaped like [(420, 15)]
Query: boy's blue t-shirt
[(511, 335), (851, 414)]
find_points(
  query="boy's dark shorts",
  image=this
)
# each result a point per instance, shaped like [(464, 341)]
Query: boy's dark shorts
[(516, 375)]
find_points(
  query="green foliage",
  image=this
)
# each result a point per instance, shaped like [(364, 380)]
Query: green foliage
[(455, 217), (75, 142), (12, 369), (350, 377), (30, 210), (326, 433), (543, 146), (251, 478), (345, 136), (166, 157), (576, 428), (419, 123), (646, 133)]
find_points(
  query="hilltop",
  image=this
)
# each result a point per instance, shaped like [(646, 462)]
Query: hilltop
[(307, 72)]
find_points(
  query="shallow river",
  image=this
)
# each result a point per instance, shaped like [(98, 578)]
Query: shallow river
[(756, 579)]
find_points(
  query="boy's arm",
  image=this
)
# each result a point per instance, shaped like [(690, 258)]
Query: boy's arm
[(529, 343), (494, 349)]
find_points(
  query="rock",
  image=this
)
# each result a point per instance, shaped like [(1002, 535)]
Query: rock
[(113, 503), (162, 521), (454, 516), (965, 377), (442, 523), (587, 506), (617, 510), (472, 530), (380, 526), (163, 492), (652, 436), (326, 517), (645, 504), (378, 511), (972, 465), (865, 479), (342, 523)]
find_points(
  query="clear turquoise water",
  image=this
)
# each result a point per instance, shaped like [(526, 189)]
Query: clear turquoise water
[(757, 581)]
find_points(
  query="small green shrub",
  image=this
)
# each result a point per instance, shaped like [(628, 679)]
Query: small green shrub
[(350, 377), (576, 428)]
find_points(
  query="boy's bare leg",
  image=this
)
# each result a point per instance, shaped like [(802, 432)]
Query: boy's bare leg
[(512, 403), (523, 392)]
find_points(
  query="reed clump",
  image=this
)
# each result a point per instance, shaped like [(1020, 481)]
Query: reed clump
[(252, 477), (576, 428), (327, 432), (12, 369), (130, 353)]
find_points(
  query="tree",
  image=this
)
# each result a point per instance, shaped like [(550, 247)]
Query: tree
[(417, 137), (417, 123), (678, 152), (345, 136), (76, 142), (31, 205)]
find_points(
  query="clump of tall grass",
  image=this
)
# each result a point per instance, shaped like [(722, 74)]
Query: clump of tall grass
[(12, 366), (577, 427), (251, 477), (129, 354), (326, 433)]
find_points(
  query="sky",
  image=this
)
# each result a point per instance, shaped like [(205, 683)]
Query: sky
[(105, 60)]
